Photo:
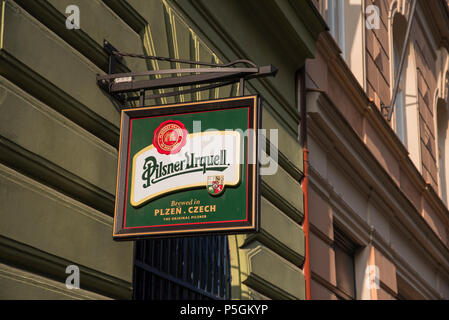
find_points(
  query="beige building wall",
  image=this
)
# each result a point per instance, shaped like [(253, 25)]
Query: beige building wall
[(384, 194)]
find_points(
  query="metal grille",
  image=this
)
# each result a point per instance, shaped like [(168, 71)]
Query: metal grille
[(182, 268)]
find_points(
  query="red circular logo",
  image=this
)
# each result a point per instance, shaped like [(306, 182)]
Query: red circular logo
[(170, 137)]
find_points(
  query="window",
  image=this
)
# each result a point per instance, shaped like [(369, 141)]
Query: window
[(442, 124), (344, 250), (193, 268), (406, 110), (335, 17), (346, 21), (399, 28)]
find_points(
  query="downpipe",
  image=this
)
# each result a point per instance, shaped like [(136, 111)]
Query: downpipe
[(301, 102)]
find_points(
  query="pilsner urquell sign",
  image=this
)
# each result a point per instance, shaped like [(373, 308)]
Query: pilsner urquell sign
[(188, 168)]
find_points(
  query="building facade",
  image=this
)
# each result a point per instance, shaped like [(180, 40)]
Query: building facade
[(59, 137), (357, 208), (378, 195)]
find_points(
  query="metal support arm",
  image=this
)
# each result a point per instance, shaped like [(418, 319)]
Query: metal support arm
[(119, 85)]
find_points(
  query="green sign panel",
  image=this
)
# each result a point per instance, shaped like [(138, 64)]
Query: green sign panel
[(188, 169)]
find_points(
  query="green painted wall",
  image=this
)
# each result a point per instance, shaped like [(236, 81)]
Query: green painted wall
[(59, 136)]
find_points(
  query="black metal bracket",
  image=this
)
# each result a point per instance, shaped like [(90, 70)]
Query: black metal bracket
[(113, 62), (124, 86)]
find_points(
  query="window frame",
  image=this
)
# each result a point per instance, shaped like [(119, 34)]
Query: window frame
[(349, 247)]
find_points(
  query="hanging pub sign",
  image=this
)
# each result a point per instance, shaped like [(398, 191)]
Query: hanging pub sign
[(188, 169)]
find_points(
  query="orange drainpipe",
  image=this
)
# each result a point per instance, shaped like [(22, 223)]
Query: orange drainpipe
[(301, 97), (305, 227)]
